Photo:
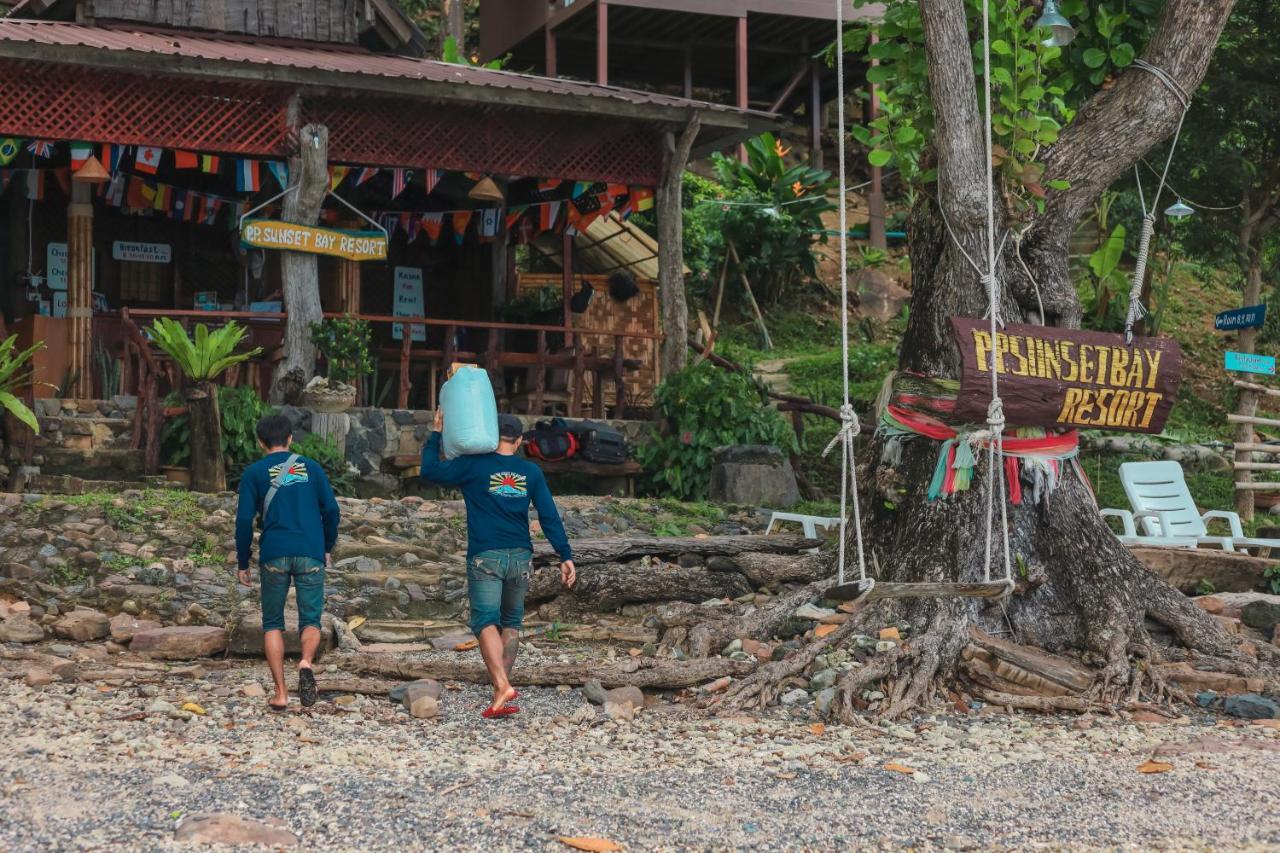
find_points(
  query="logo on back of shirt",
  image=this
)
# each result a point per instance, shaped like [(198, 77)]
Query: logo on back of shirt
[(508, 485), (295, 473)]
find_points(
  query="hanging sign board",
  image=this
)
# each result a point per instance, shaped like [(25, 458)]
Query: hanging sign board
[(1241, 318), (142, 253), (352, 245), (55, 266), (1247, 362), (60, 304), (409, 302), (1051, 377)]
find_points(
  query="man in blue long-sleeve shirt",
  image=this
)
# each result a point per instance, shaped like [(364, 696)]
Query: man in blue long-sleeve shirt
[(299, 529), (497, 489)]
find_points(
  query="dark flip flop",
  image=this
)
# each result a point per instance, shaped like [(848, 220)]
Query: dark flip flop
[(307, 687), (279, 709), (504, 711)]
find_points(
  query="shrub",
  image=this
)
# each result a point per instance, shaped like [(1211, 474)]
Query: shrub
[(332, 458), (345, 344), (702, 408), (241, 410)]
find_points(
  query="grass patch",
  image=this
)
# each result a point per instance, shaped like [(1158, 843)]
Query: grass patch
[(132, 514), (669, 517)]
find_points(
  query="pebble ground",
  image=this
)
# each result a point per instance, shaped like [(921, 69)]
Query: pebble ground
[(90, 767)]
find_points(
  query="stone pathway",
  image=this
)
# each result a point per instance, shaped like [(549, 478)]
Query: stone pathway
[(89, 766)]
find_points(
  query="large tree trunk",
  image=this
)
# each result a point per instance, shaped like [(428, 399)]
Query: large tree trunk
[(1081, 593), (675, 313), (309, 171), (208, 472)]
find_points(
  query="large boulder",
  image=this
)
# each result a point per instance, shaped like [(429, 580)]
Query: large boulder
[(246, 636), (124, 626), (753, 475), (20, 629), (180, 642), (83, 625), (1261, 614)]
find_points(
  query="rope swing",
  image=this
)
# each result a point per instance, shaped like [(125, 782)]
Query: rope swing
[(991, 439)]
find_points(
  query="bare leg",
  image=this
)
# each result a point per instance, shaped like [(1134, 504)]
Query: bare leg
[(273, 646), (510, 646), (491, 650), (310, 642)]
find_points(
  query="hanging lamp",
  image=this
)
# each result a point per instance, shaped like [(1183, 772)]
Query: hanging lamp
[(91, 172), (1060, 29), (1178, 210), (486, 189)]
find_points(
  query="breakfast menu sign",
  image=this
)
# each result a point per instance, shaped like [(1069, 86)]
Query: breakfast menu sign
[(1067, 378)]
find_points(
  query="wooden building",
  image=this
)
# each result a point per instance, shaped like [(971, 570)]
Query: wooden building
[(194, 111)]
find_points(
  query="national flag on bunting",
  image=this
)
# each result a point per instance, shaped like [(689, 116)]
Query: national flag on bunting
[(433, 223), (583, 211), (210, 163), (9, 149), (549, 185), (607, 202), (80, 154), (211, 207), (63, 177), (414, 227), (399, 180), (147, 159), (40, 148), (111, 155), (367, 173), (580, 187), (403, 220), (186, 160), (526, 231), (514, 213), (115, 192), (641, 199), (35, 184), (460, 220), (547, 216), (337, 174), (488, 225), (248, 178), (164, 197), (280, 171), (139, 196), (178, 205), (431, 178)]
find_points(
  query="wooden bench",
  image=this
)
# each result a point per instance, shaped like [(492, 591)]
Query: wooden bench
[(409, 467)]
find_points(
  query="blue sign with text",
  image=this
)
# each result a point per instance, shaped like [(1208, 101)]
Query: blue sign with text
[(1247, 362), (1241, 318)]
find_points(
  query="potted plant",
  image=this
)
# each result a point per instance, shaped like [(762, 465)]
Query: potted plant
[(15, 374), (345, 345), (202, 360)]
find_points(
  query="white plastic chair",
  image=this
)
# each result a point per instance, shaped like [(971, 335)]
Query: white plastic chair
[(808, 523), (1163, 504)]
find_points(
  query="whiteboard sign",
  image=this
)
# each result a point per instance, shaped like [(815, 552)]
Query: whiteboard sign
[(142, 253), (409, 302), (55, 266), (60, 304)]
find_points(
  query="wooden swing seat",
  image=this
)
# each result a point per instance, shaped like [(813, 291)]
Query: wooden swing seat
[(859, 593)]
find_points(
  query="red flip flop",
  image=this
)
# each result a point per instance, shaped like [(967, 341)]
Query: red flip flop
[(504, 711)]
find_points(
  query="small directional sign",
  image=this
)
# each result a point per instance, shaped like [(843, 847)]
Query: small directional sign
[(1241, 318), (1247, 362)]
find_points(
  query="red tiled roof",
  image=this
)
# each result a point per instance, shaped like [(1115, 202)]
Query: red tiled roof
[(344, 59)]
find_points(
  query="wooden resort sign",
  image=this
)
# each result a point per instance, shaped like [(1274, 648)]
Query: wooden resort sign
[(352, 245), (1051, 377)]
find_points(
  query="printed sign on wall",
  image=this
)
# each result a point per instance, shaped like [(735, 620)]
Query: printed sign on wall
[(1247, 362), (142, 253), (1064, 378), (55, 266), (352, 245), (409, 302)]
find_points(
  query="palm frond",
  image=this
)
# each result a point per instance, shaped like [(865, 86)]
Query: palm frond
[(209, 354)]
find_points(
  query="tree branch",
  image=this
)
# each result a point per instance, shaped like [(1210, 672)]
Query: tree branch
[(1121, 123)]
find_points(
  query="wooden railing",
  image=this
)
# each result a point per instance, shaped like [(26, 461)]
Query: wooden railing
[(147, 415)]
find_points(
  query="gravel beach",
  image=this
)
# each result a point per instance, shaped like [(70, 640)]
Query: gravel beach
[(89, 766)]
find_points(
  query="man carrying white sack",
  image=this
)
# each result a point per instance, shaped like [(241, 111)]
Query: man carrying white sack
[(497, 488)]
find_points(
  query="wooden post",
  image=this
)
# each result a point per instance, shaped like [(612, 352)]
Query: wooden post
[(579, 369), (671, 294), (406, 366), (549, 43), (751, 297), (740, 73), (348, 286), (688, 71), (815, 114), (875, 198), (491, 357), (602, 42), (597, 393), (1247, 405), (540, 382), (566, 288), (619, 378), (79, 291), (449, 348)]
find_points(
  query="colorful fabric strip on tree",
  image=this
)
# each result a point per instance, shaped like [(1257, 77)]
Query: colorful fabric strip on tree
[(913, 406)]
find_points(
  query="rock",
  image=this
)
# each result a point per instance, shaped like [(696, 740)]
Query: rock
[(1263, 615), (223, 828), (124, 626), (37, 677), (812, 612), (633, 696), (180, 642), (1251, 706), (719, 684), (822, 679), (17, 571), (161, 707), (890, 634), (253, 690), (753, 475), (20, 629), (170, 780), (594, 692), (246, 636), (879, 295), (823, 701), (1210, 604), (83, 626), (422, 698), (795, 697), (620, 711)]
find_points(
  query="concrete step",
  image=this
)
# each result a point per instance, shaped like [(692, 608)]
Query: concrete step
[(105, 464), (66, 484)]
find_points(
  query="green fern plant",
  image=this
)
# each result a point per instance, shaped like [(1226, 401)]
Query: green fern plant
[(16, 373), (208, 355)]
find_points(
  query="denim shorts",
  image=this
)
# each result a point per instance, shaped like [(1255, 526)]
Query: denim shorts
[(307, 574), (496, 585)]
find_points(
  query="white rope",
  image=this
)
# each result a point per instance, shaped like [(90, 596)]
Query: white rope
[(849, 426), (1136, 309)]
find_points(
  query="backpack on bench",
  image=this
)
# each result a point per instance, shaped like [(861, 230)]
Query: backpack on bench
[(551, 441), (599, 442)]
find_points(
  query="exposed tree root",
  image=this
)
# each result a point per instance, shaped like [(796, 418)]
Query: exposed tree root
[(766, 683)]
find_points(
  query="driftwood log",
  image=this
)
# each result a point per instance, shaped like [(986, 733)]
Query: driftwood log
[(702, 631), (587, 551), (608, 586), (645, 674)]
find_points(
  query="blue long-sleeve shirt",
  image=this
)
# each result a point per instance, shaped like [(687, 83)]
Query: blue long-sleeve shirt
[(302, 520), (497, 490)]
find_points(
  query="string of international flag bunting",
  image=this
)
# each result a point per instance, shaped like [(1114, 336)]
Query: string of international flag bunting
[(134, 189)]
